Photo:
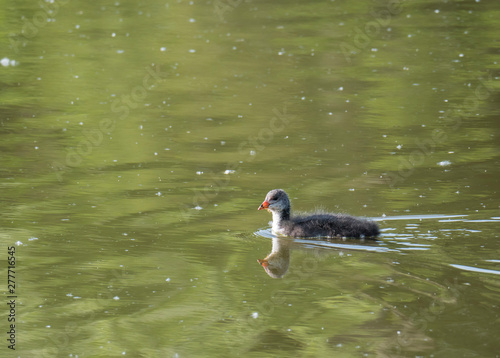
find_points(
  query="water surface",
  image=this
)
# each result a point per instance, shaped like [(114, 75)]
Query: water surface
[(138, 140)]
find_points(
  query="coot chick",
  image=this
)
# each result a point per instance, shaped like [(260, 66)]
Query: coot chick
[(318, 224)]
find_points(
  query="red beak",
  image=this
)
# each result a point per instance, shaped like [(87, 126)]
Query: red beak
[(263, 262), (264, 205)]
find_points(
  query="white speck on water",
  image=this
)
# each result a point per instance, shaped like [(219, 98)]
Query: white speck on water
[(192, 20), (120, 51), (229, 171), (197, 207), (113, 34), (255, 314), (252, 152), (167, 279), (116, 298), (444, 163), (199, 172), (158, 193), (18, 243), (163, 49), (399, 146), (192, 50), (5, 62)]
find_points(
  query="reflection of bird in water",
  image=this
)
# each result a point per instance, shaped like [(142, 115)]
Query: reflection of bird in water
[(277, 262), (320, 224)]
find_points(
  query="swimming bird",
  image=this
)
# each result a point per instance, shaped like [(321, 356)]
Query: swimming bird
[(315, 224)]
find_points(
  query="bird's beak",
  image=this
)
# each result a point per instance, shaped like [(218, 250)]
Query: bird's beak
[(264, 205), (263, 262)]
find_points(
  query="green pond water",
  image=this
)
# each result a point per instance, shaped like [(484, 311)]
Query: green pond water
[(138, 139)]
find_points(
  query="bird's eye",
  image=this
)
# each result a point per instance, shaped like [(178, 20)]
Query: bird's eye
[(274, 198)]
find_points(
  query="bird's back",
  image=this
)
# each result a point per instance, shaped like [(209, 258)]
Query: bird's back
[(331, 225)]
